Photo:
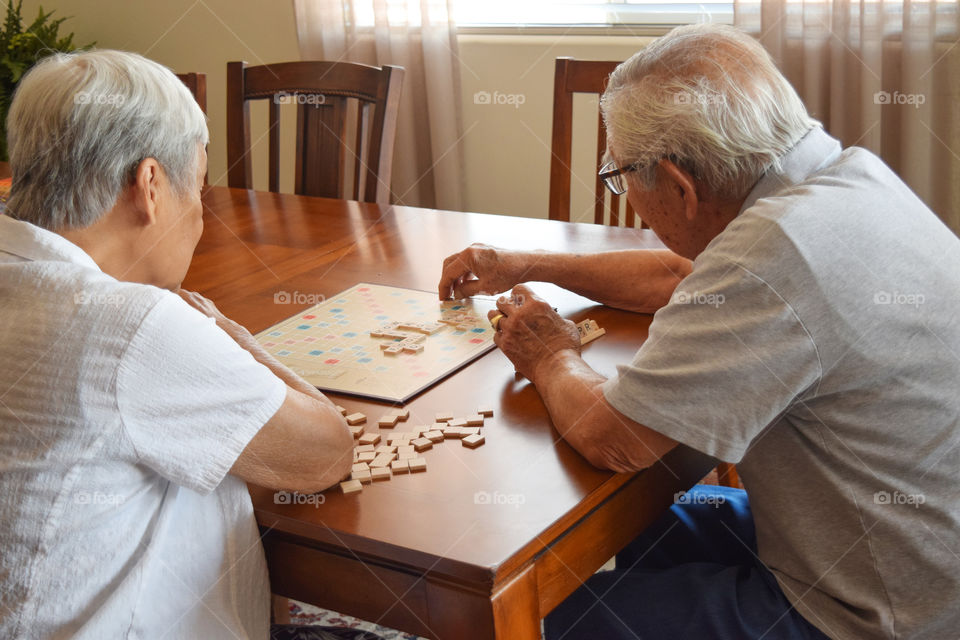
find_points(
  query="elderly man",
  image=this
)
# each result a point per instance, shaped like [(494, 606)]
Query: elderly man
[(813, 340), (131, 416)]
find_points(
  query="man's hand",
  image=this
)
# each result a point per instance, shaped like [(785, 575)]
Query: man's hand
[(530, 332), (482, 269)]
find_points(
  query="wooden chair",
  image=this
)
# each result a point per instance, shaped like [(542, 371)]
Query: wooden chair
[(570, 77), (197, 84), (590, 76), (328, 95)]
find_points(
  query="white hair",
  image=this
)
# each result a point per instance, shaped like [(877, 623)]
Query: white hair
[(710, 99), (81, 123)]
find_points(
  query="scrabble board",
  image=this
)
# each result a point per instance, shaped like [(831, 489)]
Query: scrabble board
[(330, 345)]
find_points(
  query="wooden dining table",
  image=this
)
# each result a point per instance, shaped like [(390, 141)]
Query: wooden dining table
[(486, 542)]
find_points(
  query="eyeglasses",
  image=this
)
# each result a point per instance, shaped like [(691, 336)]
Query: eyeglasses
[(613, 177)]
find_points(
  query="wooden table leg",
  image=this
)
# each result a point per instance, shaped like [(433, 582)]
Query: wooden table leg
[(281, 610), (516, 608)]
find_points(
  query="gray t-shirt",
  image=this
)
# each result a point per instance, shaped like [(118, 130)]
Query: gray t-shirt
[(817, 345)]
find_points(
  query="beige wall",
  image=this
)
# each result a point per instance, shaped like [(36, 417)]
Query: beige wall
[(508, 146), (188, 36), (507, 149)]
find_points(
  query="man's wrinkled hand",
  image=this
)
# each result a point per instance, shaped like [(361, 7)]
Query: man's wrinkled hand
[(530, 332), (481, 269)]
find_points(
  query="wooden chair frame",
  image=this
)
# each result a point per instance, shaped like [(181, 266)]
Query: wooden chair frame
[(321, 121), (579, 76)]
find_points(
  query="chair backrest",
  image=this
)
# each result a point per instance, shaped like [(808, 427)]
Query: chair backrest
[(197, 84), (327, 95), (580, 76)]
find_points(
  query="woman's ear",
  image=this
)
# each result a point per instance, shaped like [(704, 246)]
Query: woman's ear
[(684, 182), (145, 190)]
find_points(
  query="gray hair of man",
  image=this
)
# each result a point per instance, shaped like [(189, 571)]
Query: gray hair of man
[(710, 99), (81, 123)]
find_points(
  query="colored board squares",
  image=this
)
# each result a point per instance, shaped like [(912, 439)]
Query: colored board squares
[(340, 349)]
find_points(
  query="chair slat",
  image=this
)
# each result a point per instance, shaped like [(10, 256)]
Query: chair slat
[(274, 166)]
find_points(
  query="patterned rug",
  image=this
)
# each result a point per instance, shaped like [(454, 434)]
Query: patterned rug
[(301, 613)]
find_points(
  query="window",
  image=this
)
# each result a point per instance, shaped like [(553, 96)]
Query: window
[(590, 12), (532, 13)]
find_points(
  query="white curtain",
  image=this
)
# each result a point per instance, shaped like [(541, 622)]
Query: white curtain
[(419, 36), (879, 74)]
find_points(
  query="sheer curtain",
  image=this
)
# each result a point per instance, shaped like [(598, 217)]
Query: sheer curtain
[(419, 36), (879, 74)]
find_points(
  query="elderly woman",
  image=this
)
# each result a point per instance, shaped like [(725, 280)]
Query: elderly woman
[(806, 329), (131, 412)]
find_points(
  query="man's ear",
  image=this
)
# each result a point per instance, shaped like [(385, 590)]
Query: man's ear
[(145, 190), (684, 182)]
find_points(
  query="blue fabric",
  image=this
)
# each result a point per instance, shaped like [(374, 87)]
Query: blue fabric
[(693, 574)]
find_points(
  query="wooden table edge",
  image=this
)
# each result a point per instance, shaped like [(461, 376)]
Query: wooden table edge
[(510, 603)]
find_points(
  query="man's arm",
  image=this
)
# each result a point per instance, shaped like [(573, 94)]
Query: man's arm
[(546, 349), (306, 446), (640, 280)]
